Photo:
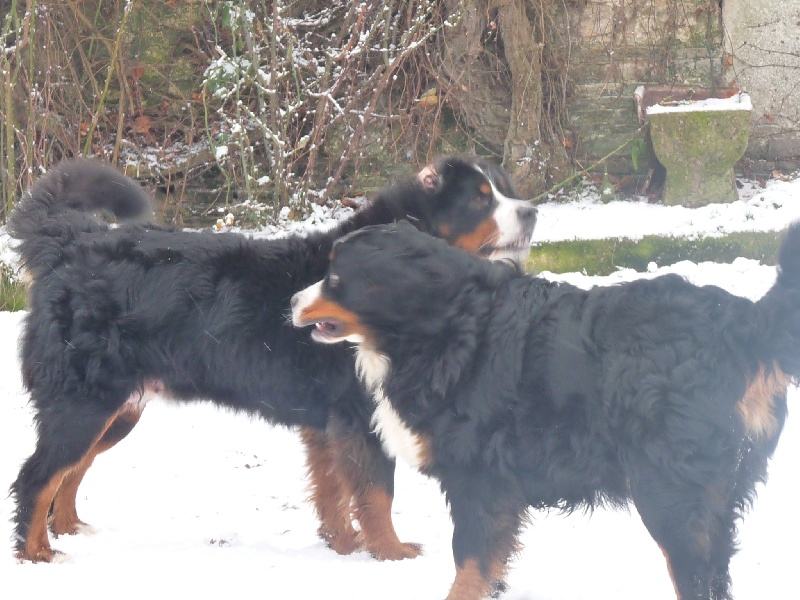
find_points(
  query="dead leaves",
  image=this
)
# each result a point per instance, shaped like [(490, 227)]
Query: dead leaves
[(142, 124)]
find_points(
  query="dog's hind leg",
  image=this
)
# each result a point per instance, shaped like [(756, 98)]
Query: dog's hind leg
[(723, 547), (64, 518), (70, 435), (752, 468), (689, 522), (63, 442), (331, 502)]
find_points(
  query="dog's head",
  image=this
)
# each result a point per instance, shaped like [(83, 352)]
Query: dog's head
[(477, 209), (392, 282)]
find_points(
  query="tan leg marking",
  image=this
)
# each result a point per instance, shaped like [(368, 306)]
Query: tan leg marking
[(373, 509), (331, 502), (469, 584), (338, 494), (37, 544), (669, 570), (64, 518)]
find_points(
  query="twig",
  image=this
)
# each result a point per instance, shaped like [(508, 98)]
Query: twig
[(570, 179), (117, 42)]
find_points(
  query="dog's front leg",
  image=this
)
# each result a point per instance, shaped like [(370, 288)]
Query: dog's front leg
[(487, 515)]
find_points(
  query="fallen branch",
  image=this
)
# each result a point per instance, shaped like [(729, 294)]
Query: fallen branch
[(583, 172)]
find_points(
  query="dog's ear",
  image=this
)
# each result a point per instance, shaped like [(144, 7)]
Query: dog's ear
[(448, 368), (463, 336), (429, 178), (402, 226), (468, 310)]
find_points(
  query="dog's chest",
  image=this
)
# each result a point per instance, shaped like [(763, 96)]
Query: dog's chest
[(397, 438)]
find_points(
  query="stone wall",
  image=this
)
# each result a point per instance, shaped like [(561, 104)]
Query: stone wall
[(762, 45), (617, 45)]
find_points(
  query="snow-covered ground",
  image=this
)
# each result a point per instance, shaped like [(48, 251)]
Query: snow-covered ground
[(199, 503), (758, 209)]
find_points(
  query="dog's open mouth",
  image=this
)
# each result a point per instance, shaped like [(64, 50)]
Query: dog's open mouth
[(325, 331), (517, 249)]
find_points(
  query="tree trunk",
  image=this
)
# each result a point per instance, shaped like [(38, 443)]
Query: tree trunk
[(474, 76), (491, 70), (523, 154)]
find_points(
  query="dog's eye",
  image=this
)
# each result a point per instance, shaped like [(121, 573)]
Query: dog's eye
[(333, 280), (481, 201), (484, 196)]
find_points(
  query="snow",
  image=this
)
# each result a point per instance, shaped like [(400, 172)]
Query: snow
[(201, 503), (740, 101), (767, 209)]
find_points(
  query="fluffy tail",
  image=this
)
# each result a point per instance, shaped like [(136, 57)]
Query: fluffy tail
[(779, 309), (63, 203)]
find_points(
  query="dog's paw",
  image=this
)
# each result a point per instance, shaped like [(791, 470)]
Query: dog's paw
[(398, 551), (498, 589)]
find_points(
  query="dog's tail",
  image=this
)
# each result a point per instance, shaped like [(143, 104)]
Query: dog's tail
[(779, 309), (64, 202)]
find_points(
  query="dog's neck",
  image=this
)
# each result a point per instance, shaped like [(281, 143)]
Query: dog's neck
[(372, 367), (406, 200), (396, 436)]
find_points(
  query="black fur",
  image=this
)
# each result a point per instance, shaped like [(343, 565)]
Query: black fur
[(525, 392), (116, 312)]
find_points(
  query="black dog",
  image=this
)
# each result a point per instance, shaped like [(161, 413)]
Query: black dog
[(116, 314), (513, 391)]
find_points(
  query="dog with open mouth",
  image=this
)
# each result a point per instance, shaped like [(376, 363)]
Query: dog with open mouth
[(118, 314), (516, 392)]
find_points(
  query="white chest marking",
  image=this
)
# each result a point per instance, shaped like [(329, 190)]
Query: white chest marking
[(397, 439)]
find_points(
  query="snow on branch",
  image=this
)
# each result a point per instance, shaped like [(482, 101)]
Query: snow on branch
[(289, 85)]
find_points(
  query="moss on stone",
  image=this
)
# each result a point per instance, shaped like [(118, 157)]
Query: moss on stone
[(699, 150), (602, 257)]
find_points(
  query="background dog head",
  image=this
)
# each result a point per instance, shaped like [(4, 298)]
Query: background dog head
[(478, 208)]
